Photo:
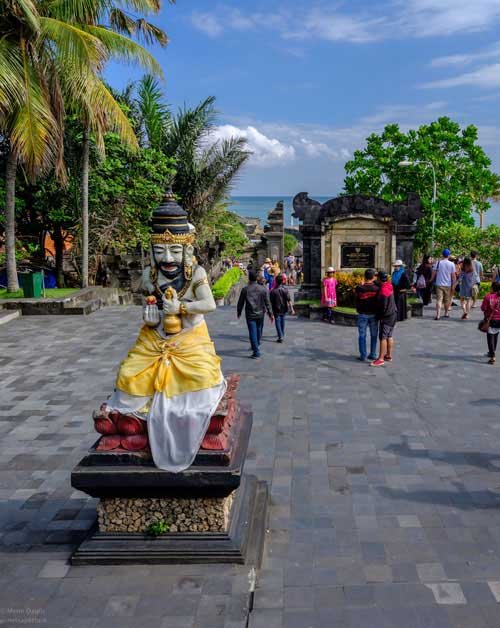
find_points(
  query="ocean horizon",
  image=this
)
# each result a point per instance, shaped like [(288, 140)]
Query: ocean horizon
[(259, 206)]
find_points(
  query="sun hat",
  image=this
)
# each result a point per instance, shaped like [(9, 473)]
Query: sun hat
[(398, 262), (330, 269), (446, 253), (382, 275)]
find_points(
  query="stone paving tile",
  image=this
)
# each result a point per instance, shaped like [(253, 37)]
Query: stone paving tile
[(383, 482)]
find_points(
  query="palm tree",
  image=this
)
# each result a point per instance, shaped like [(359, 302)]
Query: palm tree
[(42, 60), (112, 26), (205, 170)]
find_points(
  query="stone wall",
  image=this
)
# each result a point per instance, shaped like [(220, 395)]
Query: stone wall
[(118, 514)]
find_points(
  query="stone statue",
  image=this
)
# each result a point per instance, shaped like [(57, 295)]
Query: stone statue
[(171, 378)]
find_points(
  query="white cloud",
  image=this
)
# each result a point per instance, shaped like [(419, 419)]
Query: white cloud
[(317, 149), (392, 19), (339, 27), (207, 23), (467, 58), (266, 151), (427, 18), (487, 76)]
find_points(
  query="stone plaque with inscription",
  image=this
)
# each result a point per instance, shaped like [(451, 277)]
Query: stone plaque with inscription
[(357, 255)]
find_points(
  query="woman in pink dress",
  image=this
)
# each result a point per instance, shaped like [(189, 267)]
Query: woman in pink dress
[(329, 294)]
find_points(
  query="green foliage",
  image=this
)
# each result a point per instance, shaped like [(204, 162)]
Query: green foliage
[(464, 178), (157, 528), (484, 289), (222, 286), (462, 239), (290, 242), (226, 226), (50, 293), (347, 282)]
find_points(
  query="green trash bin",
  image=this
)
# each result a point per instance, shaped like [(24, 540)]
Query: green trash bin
[(32, 285)]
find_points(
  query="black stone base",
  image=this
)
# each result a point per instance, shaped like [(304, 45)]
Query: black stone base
[(213, 473), (243, 543)]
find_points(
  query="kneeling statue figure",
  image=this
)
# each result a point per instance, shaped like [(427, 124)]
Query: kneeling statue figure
[(171, 378)]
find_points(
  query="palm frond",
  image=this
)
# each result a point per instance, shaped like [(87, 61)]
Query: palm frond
[(75, 44), (154, 113), (99, 98), (11, 71), (149, 33), (25, 11), (121, 47), (33, 131)]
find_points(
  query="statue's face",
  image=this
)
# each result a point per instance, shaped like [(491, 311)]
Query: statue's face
[(169, 259)]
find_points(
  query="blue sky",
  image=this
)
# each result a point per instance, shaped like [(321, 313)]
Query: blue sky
[(306, 82)]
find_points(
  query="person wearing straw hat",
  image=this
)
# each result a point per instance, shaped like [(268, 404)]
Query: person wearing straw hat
[(400, 283), (329, 294)]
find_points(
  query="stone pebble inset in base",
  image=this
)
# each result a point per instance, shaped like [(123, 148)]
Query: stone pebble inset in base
[(119, 514)]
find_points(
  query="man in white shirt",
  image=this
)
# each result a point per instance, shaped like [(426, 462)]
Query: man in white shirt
[(444, 276), (478, 275)]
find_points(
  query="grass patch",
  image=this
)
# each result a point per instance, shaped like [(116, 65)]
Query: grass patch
[(308, 302), (50, 293), (413, 300), (345, 310)]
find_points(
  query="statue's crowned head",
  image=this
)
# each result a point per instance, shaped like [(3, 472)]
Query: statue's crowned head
[(172, 242)]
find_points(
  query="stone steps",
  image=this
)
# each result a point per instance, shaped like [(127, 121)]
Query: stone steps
[(8, 315)]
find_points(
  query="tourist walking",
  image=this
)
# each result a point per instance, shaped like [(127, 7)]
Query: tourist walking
[(255, 299), (400, 284), (478, 276), (329, 294), (424, 283), (491, 309), (280, 304), (467, 282), (444, 277), (366, 307), (387, 314)]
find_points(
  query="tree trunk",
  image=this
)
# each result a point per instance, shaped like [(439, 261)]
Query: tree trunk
[(57, 236), (85, 207), (10, 222), (481, 219)]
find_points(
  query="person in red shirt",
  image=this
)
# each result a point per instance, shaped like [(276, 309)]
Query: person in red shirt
[(491, 309), (387, 315)]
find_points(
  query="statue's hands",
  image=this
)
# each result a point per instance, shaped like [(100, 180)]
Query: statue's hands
[(151, 315), (172, 305)]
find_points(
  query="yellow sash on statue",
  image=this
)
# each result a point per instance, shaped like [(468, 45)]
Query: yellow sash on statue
[(183, 363)]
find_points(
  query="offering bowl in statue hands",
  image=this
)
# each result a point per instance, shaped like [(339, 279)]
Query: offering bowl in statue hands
[(151, 314)]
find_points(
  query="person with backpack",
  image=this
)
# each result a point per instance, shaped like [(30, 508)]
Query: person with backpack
[(491, 309), (424, 283), (281, 304), (387, 314)]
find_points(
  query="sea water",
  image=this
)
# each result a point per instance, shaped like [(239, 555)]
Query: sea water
[(260, 206)]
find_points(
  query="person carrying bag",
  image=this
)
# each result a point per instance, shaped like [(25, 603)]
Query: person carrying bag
[(490, 325)]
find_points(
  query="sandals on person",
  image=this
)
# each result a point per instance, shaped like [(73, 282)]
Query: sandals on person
[(387, 358)]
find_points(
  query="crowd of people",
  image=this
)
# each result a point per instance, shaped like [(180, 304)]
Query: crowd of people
[(380, 299), (267, 293)]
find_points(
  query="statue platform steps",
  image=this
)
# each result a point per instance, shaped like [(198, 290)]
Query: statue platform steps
[(82, 302), (8, 315)]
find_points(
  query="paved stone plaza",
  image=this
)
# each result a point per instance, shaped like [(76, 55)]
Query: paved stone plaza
[(385, 502)]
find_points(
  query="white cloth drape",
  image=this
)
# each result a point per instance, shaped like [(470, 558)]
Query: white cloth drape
[(176, 425)]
